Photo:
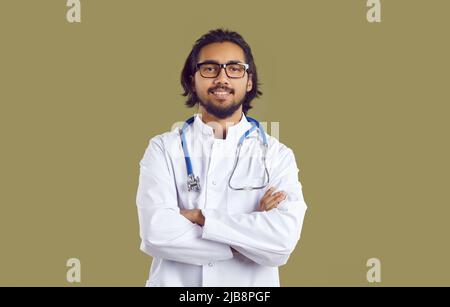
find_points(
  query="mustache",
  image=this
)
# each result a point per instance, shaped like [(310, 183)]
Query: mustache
[(223, 88)]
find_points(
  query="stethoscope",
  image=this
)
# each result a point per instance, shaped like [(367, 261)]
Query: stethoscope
[(193, 182)]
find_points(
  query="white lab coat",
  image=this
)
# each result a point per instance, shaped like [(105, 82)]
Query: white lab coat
[(186, 254)]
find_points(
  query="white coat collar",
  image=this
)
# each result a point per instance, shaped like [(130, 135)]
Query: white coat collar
[(233, 132)]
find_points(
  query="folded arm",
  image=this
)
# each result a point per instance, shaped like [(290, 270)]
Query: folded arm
[(266, 237), (165, 233)]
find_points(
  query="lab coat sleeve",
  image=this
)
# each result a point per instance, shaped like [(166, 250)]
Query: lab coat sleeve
[(269, 237), (164, 232)]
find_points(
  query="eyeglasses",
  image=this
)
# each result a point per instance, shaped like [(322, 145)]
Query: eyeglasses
[(212, 70)]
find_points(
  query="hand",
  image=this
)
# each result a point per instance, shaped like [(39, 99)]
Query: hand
[(270, 201), (194, 215)]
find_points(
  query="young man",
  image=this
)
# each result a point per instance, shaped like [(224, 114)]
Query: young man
[(219, 204)]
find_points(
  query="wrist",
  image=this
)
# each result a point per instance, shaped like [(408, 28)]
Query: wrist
[(200, 218)]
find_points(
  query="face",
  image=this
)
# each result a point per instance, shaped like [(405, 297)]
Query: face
[(221, 96)]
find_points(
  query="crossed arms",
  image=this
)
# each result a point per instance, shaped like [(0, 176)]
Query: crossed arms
[(267, 236)]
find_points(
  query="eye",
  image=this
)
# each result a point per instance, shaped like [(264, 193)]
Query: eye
[(236, 68), (209, 68)]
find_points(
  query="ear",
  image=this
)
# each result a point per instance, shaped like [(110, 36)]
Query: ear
[(249, 83)]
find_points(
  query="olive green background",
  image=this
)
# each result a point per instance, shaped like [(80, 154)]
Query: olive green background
[(364, 107)]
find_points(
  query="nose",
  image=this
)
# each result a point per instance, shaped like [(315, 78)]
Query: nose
[(222, 78)]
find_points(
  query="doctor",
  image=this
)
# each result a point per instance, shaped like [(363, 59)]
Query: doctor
[(219, 201)]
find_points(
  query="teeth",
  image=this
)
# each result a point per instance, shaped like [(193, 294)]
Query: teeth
[(220, 93)]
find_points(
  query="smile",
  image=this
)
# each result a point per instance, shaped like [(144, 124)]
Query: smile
[(221, 94)]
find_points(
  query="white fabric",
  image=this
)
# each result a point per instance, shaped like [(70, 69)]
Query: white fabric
[(186, 254)]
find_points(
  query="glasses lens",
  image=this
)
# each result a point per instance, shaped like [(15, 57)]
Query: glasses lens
[(235, 70), (209, 70)]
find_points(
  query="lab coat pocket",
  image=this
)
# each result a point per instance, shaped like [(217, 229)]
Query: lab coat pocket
[(244, 201)]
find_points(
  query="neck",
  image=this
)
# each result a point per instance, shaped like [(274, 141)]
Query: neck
[(219, 125)]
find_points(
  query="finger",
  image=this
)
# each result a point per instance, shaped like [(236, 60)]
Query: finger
[(275, 196), (274, 202), (268, 192), (263, 205), (282, 198), (267, 200), (272, 206)]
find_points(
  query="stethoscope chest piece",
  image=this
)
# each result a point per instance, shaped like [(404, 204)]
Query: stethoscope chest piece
[(193, 183)]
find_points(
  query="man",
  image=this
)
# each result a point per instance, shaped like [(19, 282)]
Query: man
[(238, 219)]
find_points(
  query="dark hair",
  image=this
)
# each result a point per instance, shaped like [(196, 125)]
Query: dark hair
[(218, 36)]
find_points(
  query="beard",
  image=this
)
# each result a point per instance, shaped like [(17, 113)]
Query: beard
[(219, 111)]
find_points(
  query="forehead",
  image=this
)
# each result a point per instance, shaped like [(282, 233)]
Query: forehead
[(221, 52)]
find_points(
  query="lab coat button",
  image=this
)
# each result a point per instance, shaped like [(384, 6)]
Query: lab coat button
[(214, 182), (211, 264)]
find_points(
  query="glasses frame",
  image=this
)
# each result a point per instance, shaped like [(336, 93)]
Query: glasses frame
[(224, 66)]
